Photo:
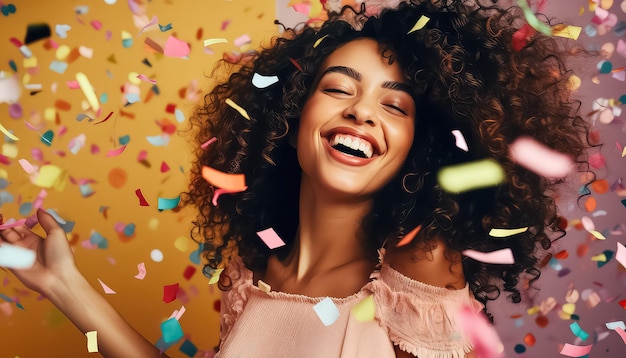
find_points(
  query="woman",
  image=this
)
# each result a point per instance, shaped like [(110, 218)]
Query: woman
[(340, 158)]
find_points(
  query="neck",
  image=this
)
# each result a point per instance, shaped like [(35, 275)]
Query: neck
[(327, 234)]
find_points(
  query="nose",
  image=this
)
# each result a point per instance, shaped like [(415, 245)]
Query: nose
[(362, 111)]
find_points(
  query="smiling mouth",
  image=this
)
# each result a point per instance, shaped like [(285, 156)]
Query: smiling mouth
[(352, 145)]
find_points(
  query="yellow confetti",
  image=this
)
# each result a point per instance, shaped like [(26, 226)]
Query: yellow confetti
[(506, 232), (624, 152), (319, 41), (237, 108), (88, 91), (7, 133), (570, 32), (473, 175), (533, 310), (264, 286), (209, 42), (597, 234), (10, 150), (181, 243), (62, 52), (132, 78), (421, 22), (573, 83), (30, 62), (92, 341), (51, 176), (569, 308), (365, 310), (600, 257), (49, 114), (216, 276)]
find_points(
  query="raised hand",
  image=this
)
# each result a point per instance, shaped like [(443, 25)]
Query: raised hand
[(54, 261)]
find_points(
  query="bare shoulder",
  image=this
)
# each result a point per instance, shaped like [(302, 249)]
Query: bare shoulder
[(437, 267)]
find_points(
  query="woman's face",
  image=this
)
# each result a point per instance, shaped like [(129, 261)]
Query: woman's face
[(357, 125)]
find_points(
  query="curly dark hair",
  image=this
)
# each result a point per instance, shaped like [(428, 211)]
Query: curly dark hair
[(466, 75)]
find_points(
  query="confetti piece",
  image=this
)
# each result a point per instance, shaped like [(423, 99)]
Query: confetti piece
[(532, 19), (365, 310), (106, 288), (167, 203), (189, 272), (484, 338), (16, 257), (141, 268), (460, 140), (319, 41), (242, 40), (219, 192), (264, 286), (575, 351), (409, 237), (506, 232), (502, 256), (171, 330), (36, 32), (327, 311), (188, 348), (215, 277), (47, 137), (570, 32), (620, 256), (169, 292), (540, 159), (145, 78), (117, 177), (421, 22), (206, 144), (175, 47), (530, 340), (115, 152), (10, 135), (92, 341), (88, 91), (156, 255), (236, 107), (231, 182), (472, 175), (271, 238), (578, 332), (260, 81), (213, 41)]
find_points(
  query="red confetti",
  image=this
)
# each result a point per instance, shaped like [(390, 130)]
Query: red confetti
[(529, 339), (561, 255), (170, 108), (189, 271), (169, 292), (542, 321), (142, 200), (105, 119), (623, 304), (217, 305), (295, 63), (164, 167)]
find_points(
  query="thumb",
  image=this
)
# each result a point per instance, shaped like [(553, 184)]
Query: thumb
[(47, 221)]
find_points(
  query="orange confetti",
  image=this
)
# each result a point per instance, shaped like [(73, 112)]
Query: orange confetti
[(600, 186), (561, 255), (582, 250), (591, 204), (529, 339), (117, 177), (231, 182), (62, 105), (409, 237)]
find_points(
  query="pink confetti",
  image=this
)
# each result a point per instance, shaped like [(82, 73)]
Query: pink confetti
[(596, 161), (460, 140), (242, 40), (154, 21), (106, 288), (621, 48), (575, 351), (219, 192), (164, 167), (620, 256), (144, 78), (115, 152), (206, 144), (27, 167), (502, 256), (542, 160), (487, 343), (96, 24), (621, 333), (141, 267), (175, 47), (38, 203), (271, 238), (12, 223)]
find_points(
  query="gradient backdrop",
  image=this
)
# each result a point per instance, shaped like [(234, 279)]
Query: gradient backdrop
[(95, 188)]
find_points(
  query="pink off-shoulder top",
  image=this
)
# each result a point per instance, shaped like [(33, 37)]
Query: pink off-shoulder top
[(417, 317)]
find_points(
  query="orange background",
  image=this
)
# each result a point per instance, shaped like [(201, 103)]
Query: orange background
[(39, 330)]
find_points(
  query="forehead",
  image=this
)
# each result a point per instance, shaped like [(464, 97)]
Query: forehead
[(365, 55)]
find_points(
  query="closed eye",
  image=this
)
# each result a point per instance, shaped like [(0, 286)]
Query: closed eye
[(335, 90), (396, 108)]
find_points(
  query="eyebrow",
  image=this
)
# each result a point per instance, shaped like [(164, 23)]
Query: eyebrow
[(352, 73)]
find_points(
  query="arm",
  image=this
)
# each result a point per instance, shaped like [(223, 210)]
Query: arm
[(56, 276), (430, 267)]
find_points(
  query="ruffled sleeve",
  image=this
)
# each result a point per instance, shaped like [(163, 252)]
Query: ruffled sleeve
[(234, 300), (420, 318)]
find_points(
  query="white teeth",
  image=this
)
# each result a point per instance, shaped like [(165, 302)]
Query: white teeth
[(354, 143)]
